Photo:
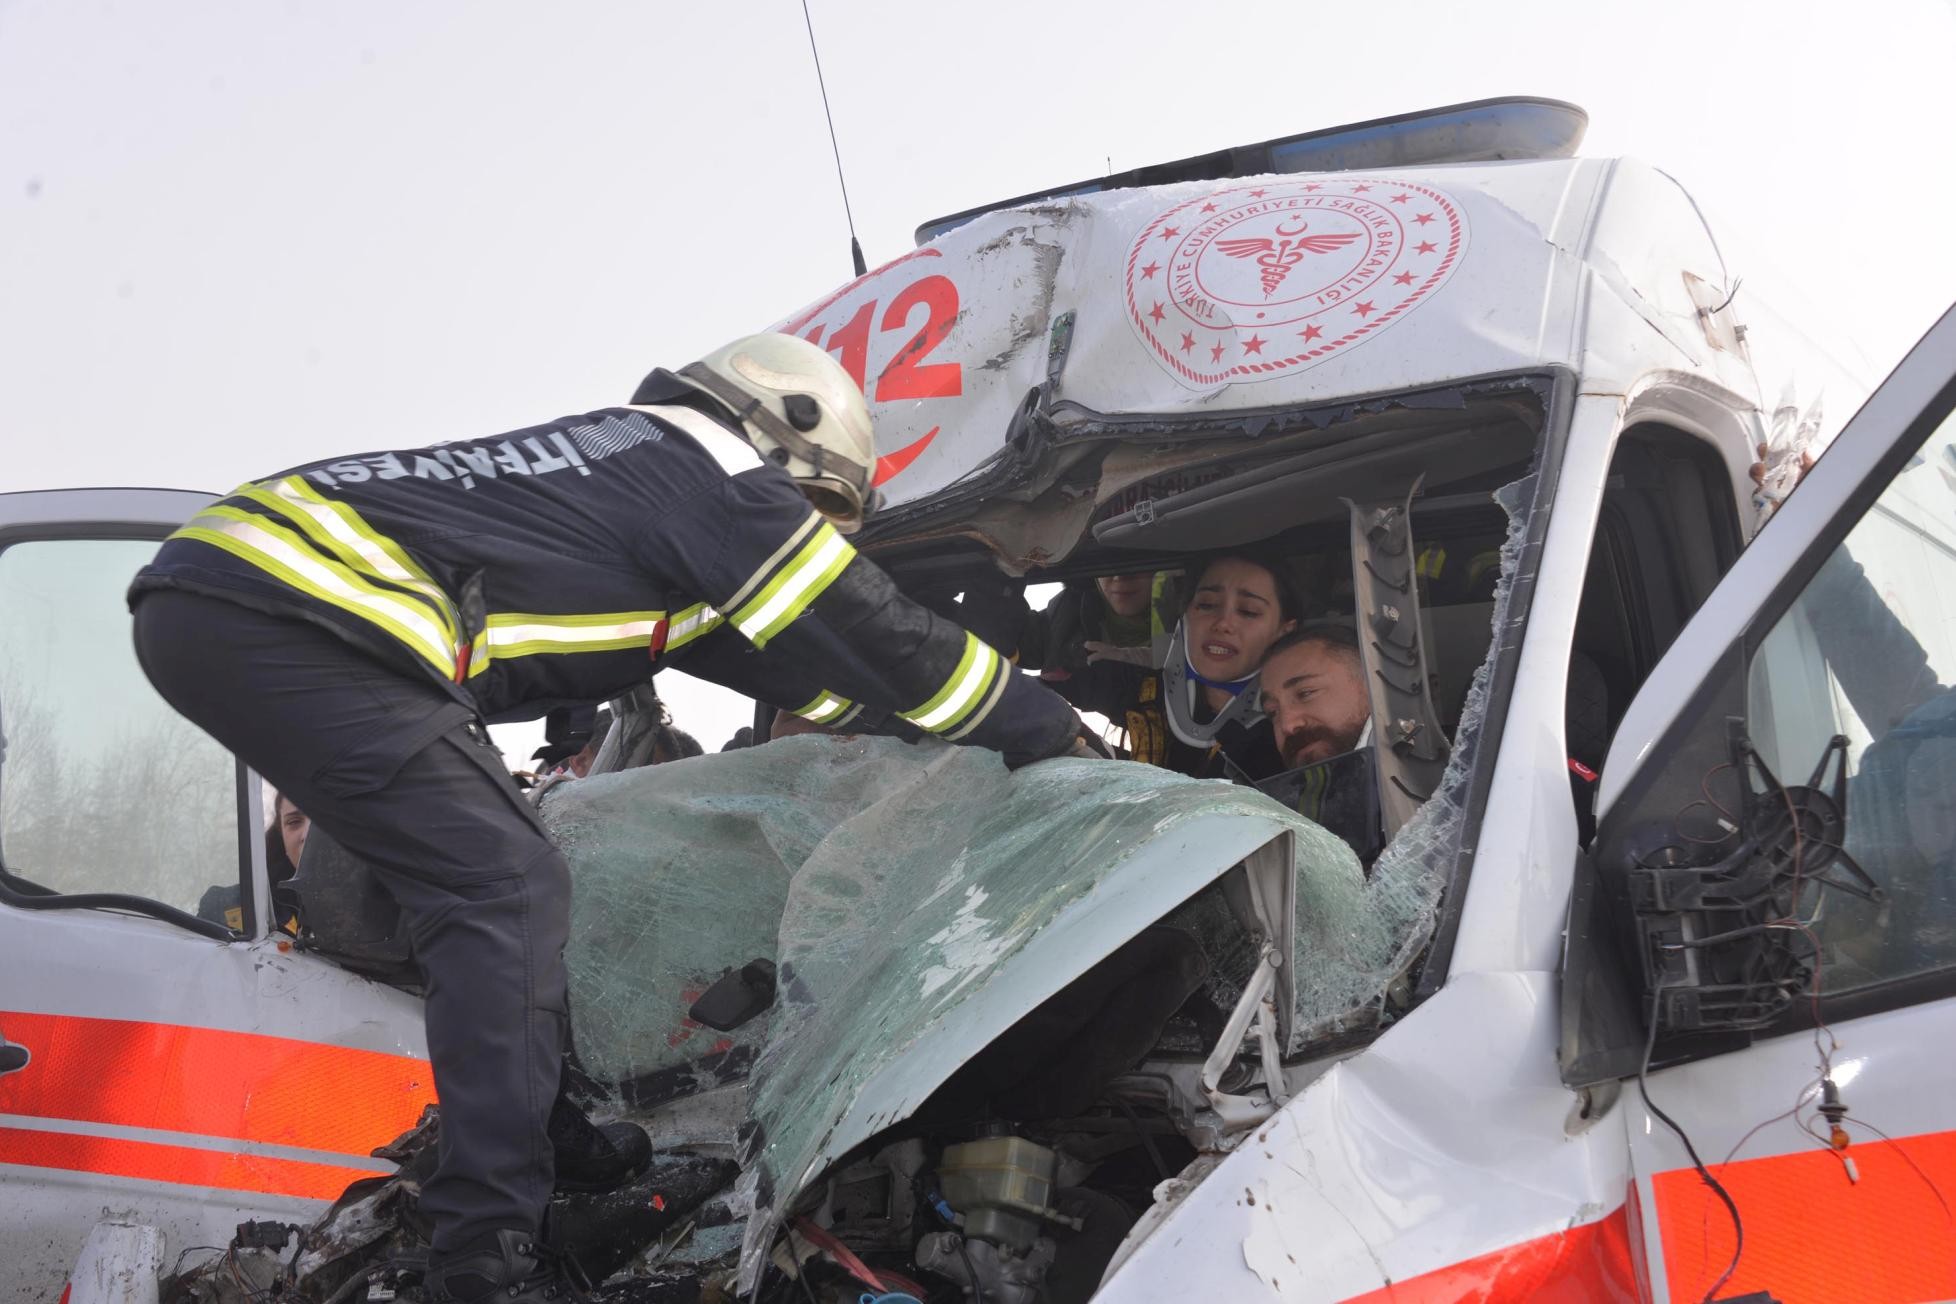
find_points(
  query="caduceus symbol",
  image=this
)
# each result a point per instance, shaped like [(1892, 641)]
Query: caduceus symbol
[(1275, 258)]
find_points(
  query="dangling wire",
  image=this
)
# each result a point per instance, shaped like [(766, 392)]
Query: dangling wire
[(855, 245), (1704, 1174)]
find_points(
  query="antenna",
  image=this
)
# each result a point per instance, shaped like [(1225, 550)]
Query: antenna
[(855, 245)]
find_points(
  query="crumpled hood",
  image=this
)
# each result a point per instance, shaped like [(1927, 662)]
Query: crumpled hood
[(918, 899)]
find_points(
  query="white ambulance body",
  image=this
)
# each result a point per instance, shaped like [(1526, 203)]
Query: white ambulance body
[(1150, 372)]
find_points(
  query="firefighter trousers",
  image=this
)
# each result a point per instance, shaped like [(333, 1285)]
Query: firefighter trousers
[(403, 775)]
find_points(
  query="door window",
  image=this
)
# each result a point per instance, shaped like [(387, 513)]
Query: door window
[(1868, 652), (103, 788)]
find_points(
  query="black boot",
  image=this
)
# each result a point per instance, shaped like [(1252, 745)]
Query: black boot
[(593, 1158), (512, 1269)]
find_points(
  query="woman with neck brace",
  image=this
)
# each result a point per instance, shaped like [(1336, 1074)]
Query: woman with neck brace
[(1199, 714)]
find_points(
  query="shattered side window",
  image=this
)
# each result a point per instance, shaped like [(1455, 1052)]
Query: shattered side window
[(1347, 987)]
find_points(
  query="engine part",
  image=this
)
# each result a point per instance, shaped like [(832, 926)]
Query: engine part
[(1003, 1187), (871, 1204), (1000, 1276), (1080, 1258)]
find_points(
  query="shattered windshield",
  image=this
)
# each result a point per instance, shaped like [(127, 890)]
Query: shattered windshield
[(919, 902)]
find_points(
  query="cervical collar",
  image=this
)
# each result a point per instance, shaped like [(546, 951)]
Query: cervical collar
[(1180, 684)]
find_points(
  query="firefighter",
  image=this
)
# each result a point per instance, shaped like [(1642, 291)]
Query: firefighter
[(349, 628)]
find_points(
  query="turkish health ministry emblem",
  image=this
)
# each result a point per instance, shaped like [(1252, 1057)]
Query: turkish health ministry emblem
[(1263, 279)]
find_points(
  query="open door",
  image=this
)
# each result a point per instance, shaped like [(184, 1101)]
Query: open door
[(167, 1059), (1764, 937)]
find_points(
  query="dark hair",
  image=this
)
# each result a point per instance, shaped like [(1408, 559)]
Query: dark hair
[(1342, 639), (1289, 606), (677, 744)]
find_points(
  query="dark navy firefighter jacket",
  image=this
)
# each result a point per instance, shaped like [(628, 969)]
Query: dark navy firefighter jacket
[(564, 563)]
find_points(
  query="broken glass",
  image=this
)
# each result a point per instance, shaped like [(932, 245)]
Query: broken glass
[(918, 899), (1346, 986)]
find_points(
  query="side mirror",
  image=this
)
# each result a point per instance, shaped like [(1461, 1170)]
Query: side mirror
[(739, 996)]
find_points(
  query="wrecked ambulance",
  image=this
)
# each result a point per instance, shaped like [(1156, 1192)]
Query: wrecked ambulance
[(1647, 861)]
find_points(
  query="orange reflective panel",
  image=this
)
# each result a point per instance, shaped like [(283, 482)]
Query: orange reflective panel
[(147, 1161), (247, 1086), (1812, 1236), (1589, 1264)]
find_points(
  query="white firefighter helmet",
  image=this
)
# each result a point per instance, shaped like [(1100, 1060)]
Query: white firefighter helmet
[(803, 413)]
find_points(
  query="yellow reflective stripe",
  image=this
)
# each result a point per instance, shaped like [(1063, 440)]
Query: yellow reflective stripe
[(690, 624), (973, 674), (521, 634), (800, 582), (977, 717), (281, 553), (341, 531), (479, 654), (825, 707), (767, 567)]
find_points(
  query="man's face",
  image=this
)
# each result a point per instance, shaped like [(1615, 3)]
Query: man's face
[(293, 825), (1314, 694), (1127, 595)]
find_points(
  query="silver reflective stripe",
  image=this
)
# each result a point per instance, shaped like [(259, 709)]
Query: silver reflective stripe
[(961, 692), (517, 634), (825, 709), (733, 453), (800, 582), (977, 717), (690, 624), (358, 541), (275, 550)]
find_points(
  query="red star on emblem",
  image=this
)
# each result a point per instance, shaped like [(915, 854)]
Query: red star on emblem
[(1258, 194), (1314, 186), (1188, 341), (1404, 278), (1425, 247), (1311, 332), (1424, 218), (1215, 353), (1208, 208), (1170, 232), (1254, 344), (1360, 189), (1400, 199), (1156, 312), (1364, 310), (1148, 272)]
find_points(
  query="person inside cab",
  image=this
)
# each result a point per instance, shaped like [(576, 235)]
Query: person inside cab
[(1312, 687), (1113, 617), (1198, 715)]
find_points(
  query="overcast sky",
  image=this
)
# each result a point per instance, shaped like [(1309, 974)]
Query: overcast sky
[(235, 237)]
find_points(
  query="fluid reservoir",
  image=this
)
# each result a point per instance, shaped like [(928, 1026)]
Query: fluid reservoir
[(1003, 1185)]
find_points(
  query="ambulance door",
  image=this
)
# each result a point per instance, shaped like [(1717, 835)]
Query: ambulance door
[(1762, 946), (169, 1060)]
